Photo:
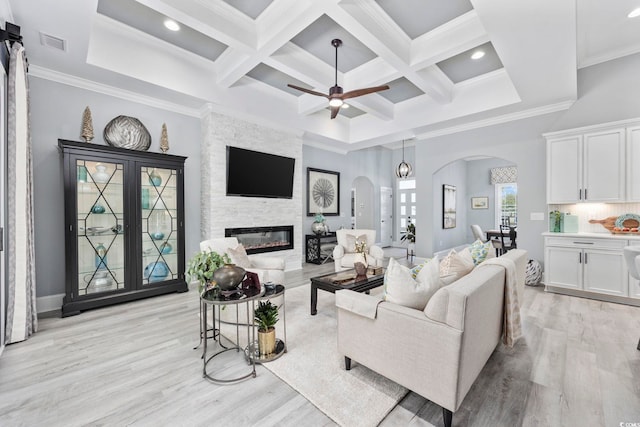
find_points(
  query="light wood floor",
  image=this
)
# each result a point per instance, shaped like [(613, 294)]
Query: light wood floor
[(134, 364)]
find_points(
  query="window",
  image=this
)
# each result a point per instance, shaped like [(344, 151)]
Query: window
[(507, 203)]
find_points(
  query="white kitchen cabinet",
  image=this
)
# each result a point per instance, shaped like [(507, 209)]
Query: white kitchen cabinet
[(587, 167), (564, 170), (563, 267), (593, 265), (604, 272), (633, 162), (604, 166)]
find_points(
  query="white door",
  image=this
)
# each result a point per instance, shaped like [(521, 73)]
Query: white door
[(563, 267), (386, 216), (605, 272), (564, 170), (604, 159)]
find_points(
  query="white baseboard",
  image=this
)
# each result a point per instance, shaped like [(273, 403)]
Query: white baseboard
[(49, 303)]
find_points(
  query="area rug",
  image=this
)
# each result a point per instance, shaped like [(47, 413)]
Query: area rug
[(313, 367)]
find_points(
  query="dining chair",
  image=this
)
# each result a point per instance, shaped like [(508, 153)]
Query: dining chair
[(477, 232)]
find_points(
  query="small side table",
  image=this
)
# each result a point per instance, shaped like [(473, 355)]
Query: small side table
[(251, 351), (215, 298)]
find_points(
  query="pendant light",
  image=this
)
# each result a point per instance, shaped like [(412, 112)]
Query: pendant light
[(404, 169)]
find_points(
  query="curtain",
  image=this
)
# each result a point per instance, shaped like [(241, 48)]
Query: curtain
[(22, 320), (504, 175)]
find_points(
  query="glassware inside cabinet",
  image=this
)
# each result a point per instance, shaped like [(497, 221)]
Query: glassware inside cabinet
[(100, 225), (159, 224)]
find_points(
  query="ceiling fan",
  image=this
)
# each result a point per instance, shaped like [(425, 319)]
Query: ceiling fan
[(336, 95)]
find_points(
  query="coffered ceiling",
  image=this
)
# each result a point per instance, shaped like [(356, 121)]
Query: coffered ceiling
[(239, 55)]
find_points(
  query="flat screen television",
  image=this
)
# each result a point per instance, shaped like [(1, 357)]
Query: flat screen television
[(256, 174)]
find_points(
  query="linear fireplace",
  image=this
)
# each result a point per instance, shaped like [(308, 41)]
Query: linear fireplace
[(263, 239)]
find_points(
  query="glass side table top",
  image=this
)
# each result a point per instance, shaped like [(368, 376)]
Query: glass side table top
[(216, 296)]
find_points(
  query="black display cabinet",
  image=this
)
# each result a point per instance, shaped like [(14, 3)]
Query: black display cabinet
[(124, 222)]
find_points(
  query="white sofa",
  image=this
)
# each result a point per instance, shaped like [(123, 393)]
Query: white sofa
[(268, 268), (344, 254), (439, 352)]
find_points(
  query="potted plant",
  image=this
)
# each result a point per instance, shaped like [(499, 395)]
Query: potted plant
[(266, 316), (410, 236), (203, 265)]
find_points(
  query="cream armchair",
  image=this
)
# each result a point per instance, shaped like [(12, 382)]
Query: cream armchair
[(344, 253), (268, 268)]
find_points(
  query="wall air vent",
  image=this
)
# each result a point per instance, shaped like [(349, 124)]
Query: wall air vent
[(54, 42)]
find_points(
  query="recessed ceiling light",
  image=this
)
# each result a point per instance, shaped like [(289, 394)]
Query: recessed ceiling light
[(635, 12), (477, 54), (171, 25), (345, 105)]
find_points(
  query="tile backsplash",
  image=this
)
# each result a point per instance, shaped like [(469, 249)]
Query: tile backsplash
[(587, 211)]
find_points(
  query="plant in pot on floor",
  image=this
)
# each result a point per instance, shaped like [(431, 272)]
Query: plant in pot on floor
[(202, 266), (266, 317), (409, 236)]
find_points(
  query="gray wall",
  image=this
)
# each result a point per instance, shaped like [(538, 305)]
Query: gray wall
[(478, 185), (373, 163), (455, 174), (519, 142), (56, 112)]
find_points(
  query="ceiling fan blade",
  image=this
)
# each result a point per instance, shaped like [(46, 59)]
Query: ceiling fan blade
[(312, 92), (365, 91), (334, 112)]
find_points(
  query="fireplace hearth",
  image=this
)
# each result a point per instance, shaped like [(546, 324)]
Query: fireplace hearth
[(263, 239)]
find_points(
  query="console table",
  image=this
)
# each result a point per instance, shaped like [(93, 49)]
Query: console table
[(313, 243)]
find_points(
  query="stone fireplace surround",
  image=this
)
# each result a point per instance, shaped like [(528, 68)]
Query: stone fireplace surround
[(219, 211)]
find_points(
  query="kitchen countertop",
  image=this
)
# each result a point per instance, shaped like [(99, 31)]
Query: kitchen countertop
[(628, 236)]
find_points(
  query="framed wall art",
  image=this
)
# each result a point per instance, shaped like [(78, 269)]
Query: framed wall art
[(448, 206), (480, 203), (323, 192)]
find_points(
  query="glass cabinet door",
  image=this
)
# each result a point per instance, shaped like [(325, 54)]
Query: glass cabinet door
[(159, 205), (100, 226)]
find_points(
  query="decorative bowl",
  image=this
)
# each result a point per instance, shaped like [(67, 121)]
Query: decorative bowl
[(127, 132)]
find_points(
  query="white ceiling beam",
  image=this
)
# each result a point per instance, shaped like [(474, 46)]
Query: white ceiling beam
[(214, 18), (375, 105), (300, 64), (373, 27), (373, 73), (450, 39), (299, 14), (440, 87)]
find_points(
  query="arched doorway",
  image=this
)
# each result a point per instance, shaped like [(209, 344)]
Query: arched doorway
[(479, 198), (363, 203)]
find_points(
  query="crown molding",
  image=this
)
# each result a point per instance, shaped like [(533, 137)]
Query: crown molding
[(519, 115), (590, 128), (588, 61), (78, 82)]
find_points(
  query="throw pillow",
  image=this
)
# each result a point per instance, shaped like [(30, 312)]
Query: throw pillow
[(401, 288), (456, 265), (239, 256), (351, 241), (481, 251)]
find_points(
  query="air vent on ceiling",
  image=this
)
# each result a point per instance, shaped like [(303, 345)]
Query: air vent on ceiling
[(54, 42)]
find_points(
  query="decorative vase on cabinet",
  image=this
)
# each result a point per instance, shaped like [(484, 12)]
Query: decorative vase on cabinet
[(110, 215)]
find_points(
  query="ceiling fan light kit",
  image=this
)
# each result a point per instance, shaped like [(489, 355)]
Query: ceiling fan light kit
[(337, 95)]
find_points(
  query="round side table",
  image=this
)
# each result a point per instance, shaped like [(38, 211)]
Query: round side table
[(216, 298)]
